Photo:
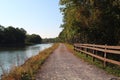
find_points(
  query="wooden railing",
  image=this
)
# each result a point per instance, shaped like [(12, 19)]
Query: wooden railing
[(92, 50)]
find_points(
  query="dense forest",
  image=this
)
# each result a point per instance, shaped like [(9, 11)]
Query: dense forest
[(33, 39), (11, 36), (50, 40), (90, 21)]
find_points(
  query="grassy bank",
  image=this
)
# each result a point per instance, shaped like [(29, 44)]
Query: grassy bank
[(112, 69), (30, 67)]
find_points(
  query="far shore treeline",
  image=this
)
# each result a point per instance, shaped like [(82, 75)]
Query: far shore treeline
[(10, 36)]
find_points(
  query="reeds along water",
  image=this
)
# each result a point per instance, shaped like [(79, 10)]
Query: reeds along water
[(10, 58)]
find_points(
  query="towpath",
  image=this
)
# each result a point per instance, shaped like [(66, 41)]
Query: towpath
[(63, 65)]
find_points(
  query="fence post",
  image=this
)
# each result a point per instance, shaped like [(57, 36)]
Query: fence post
[(86, 51), (105, 56), (81, 49), (93, 53), (74, 47)]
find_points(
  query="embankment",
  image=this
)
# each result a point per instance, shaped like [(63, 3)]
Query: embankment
[(30, 67)]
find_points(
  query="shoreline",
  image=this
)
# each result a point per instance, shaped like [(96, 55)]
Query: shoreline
[(30, 67)]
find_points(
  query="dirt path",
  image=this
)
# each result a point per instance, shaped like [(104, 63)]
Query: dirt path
[(63, 65)]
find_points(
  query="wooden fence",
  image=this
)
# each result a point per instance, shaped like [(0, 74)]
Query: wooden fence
[(92, 50)]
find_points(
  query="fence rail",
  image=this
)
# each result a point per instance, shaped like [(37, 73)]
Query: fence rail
[(92, 49)]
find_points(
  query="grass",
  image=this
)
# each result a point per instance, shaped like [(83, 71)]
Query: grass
[(112, 69), (30, 67)]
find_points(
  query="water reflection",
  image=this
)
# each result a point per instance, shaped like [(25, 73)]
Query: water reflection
[(17, 56)]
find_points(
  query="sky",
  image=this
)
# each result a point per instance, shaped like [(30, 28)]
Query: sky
[(41, 17)]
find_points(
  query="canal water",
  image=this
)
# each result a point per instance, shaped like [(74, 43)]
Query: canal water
[(10, 57)]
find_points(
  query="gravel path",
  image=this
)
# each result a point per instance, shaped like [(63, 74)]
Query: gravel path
[(63, 65)]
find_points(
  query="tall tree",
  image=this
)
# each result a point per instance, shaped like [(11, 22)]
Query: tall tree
[(33, 39), (91, 21)]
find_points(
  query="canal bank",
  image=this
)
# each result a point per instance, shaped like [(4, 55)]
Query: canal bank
[(30, 67), (15, 56)]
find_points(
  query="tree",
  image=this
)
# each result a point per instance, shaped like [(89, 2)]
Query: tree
[(1, 33), (33, 39), (12, 36), (91, 21)]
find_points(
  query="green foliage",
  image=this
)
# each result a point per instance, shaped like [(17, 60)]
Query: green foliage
[(50, 40), (33, 39), (26, 76), (91, 21), (11, 35)]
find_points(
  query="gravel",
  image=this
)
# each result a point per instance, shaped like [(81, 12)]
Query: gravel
[(63, 65)]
